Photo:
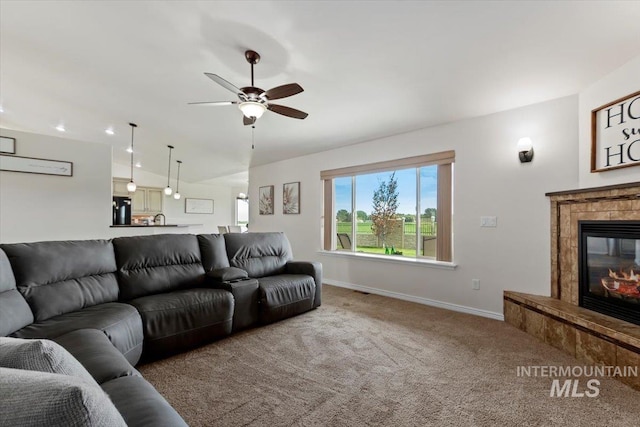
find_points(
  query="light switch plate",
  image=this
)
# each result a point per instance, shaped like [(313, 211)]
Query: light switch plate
[(488, 221)]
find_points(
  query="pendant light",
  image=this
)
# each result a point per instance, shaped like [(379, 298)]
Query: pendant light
[(176, 195), (131, 186), (168, 190)]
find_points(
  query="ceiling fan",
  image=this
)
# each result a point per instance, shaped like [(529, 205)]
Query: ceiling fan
[(253, 101)]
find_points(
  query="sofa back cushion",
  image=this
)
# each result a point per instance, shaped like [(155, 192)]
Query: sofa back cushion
[(14, 310), (61, 277), (259, 254), (213, 250), (154, 264)]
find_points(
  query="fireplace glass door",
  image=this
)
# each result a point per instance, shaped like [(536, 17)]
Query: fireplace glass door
[(610, 268)]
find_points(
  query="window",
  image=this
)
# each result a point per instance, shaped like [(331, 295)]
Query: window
[(242, 211), (398, 208)]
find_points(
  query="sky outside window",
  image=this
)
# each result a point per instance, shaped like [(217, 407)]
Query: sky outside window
[(367, 184)]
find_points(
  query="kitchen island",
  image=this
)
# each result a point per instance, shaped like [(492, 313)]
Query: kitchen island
[(145, 230)]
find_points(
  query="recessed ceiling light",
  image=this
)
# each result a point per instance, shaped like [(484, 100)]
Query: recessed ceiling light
[(61, 128), (138, 165), (1, 109), (109, 131), (129, 150)]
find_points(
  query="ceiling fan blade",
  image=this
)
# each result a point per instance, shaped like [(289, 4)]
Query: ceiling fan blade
[(213, 103), (222, 82), (283, 91), (248, 120), (287, 111)]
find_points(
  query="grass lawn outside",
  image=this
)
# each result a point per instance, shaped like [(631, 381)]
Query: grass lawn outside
[(369, 250)]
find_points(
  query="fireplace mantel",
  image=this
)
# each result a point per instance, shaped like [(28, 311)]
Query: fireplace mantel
[(558, 320), (579, 191)]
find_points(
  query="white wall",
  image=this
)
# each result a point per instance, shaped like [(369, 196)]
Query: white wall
[(222, 195), (44, 207), (622, 82), (488, 180)]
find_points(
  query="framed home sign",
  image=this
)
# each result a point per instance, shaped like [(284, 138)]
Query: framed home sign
[(615, 134)]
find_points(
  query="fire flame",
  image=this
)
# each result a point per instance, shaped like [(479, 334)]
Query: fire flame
[(632, 277)]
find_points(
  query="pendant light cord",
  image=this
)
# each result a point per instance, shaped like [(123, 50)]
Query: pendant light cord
[(178, 177), (169, 171), (133, 126)]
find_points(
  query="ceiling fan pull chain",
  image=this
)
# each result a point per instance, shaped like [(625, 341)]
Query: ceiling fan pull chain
[(253, 127)]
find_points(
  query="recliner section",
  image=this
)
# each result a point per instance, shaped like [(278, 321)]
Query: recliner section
[(162, 277), (72, 284)]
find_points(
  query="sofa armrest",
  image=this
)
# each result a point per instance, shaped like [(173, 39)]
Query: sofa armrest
[(226, 274), (245, 297), (310, 268)]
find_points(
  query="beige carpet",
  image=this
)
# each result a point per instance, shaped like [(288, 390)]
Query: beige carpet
[(369, 360)]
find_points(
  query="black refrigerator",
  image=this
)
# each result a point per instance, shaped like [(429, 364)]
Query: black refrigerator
[(121, 211)]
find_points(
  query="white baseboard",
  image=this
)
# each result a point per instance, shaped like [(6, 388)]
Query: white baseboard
[(419, 300)]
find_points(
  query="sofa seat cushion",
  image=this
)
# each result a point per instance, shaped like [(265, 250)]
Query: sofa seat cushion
[(120, 322), (95, 352), (179, 320), (31, 398), (140, 404), (41, 356), (285, 295)]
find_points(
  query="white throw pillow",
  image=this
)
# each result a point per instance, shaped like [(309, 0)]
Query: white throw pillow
[(40, 355), (31, 398)]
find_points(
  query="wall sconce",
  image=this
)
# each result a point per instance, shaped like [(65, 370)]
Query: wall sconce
[(525, 150)]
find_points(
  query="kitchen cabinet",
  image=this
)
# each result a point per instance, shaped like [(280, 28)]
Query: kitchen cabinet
[(147, 200), (120, 187)]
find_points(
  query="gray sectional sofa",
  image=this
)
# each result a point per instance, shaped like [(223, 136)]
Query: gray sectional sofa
[(112, 303)]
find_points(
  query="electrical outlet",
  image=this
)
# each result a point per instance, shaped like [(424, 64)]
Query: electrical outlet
[(475, 284), (488, 221)]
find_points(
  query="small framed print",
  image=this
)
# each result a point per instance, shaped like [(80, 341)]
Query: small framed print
[(291, 198), (7, 145), (198, 206), (265, 200)]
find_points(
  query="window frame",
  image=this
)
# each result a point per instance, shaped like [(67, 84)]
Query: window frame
[(444, 215)]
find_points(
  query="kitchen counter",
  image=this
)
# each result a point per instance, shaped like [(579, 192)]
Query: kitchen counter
[(146, 230)]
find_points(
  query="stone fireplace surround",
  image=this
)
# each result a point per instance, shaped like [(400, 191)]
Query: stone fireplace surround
[(592, 338)]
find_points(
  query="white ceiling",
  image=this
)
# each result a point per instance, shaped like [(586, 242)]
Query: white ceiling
[(369, 69)]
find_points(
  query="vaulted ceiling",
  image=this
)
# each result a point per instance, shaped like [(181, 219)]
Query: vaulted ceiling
[(369, 69)]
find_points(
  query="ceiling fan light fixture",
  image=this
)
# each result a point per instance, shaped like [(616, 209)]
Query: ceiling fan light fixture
[(252, 109)]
